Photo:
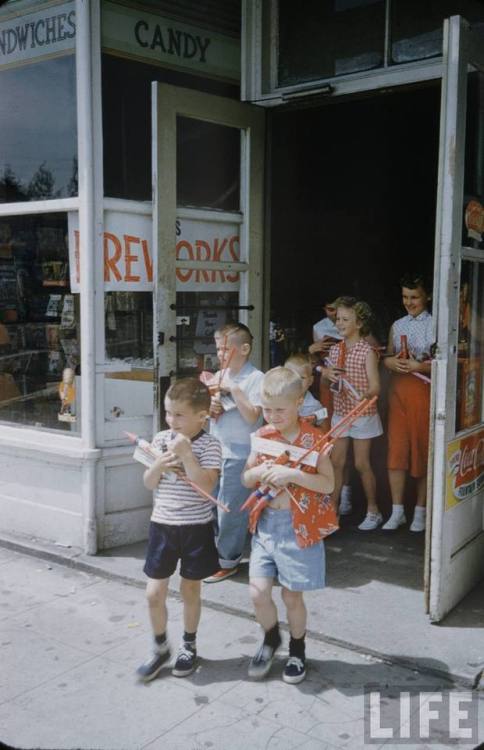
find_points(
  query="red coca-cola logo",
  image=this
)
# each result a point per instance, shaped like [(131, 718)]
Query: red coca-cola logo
[(471, 460)]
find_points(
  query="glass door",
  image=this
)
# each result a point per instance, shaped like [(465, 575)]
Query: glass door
[(208, 157), (455, 559)]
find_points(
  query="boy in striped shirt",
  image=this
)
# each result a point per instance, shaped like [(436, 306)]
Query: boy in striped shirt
[(181, 525)]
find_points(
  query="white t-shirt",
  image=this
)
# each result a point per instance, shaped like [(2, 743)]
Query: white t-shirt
[(311, 406), (231, 428), (325, 327), (174, 501)]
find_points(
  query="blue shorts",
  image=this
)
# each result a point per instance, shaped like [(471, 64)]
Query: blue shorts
[(192, 544), (275, 554)]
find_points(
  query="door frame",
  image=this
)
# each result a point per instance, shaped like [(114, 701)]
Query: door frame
[(452, 568), (168, 102)]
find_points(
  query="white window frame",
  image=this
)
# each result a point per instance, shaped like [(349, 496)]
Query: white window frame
[(260, 86)]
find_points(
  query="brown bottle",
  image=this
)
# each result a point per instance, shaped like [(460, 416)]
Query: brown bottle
[(404, 353)]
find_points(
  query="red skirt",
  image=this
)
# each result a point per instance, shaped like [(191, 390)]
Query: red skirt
[(408, 425)]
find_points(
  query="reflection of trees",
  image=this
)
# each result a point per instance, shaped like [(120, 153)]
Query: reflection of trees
[(72, 185), (11, 188), (41, 186)]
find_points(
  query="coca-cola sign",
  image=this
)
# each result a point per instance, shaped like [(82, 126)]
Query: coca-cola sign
[(465, 468)]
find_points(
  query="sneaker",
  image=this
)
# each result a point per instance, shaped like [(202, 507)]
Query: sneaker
[(152, 667), (371, 522), (294, 671), (261, 663), (221, 575), (345, 506), (186, 660), (396, 520), (418, 523)]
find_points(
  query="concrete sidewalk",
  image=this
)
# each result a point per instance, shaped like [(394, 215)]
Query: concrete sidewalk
[(70, 641), (373, 602)]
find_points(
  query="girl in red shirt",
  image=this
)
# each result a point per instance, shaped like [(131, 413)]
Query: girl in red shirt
[(352, 369)]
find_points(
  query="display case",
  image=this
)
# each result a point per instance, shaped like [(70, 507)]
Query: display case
[(39, 322)]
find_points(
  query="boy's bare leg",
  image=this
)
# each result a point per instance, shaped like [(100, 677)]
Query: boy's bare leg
[(261, 595), (361, 450), (192, 605), (296, 612), (156, 593), (338, 459), (266, 615)]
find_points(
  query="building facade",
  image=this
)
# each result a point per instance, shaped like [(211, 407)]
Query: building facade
[(166, 166)]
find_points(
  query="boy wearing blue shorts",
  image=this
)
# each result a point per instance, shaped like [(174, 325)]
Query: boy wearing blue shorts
[(181, 527), (287, 541), (236, 413)]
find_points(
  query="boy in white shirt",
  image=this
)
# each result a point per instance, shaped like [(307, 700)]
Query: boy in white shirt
[(236, 412)]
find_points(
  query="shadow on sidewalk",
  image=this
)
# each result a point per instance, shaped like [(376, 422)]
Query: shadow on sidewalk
[(350, 679)]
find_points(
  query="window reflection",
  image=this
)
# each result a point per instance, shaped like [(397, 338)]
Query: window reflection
[(416, 28), (321, 39), (471, 346), (38, 149), (208, 165)]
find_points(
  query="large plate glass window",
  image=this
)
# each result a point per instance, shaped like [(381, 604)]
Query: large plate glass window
[(38, 153), (39, 324)]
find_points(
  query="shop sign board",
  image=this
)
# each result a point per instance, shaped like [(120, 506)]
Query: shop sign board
[(45, 32), (207, 241), (169, 42), (465, 468), (128, 262)]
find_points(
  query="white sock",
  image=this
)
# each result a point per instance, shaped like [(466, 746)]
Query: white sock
[(397, 510), (420, 510)]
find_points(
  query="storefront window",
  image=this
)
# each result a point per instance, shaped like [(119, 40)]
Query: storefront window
[(416, 27), (129, 328), (39, 324), (38, 147), (470, 371), (208, 165), (473, 215), (199, 315), (126, 88), (322, 39)]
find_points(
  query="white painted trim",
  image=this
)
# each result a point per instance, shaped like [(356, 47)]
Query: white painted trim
[(58, 205), (17, 440), (361, 82), (251, 50), (473, 253), (88, 239), (144, 208), (208, 214)]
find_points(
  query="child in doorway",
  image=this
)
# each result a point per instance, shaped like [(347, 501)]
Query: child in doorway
[(236, 413), (353, 369), (325, 334), (181, 525), (310, 408), (409, 345), (287, 542)]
